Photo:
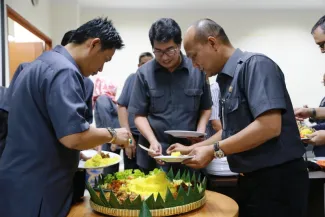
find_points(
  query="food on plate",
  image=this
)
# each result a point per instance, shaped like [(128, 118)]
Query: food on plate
[(321, 163), (305, 131), (128, 184), (100, 159), (176, 154)]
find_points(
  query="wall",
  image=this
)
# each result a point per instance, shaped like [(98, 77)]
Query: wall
[(284, 35), (64, 17), (38, 16)]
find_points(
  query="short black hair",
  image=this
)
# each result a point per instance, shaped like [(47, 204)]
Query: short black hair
[(207, 27), (164, 30), (101, 28), (321, 23), (145, 54), (66, 37)]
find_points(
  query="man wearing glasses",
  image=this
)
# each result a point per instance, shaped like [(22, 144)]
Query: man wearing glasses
[(169, 94), (318, 32)]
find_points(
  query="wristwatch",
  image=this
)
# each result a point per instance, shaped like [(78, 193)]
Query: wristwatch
[(218, 153), (113, 134)]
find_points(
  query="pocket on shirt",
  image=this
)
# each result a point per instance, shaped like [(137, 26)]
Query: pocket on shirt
[(237, 114), (158, 101), (191, 101)]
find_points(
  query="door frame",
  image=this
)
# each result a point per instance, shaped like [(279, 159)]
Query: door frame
[(12, 14)]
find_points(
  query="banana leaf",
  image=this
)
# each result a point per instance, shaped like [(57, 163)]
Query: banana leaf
[(93, 195), (136, 204), (113, 201), (150, 201), (170, 200), (144, 211), (181, 196), (170, 174), (159, 204), (127, 203), (178, 175), (103, 198)]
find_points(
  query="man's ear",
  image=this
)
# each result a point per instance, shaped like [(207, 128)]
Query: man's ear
[(213, 42), (94, 42)]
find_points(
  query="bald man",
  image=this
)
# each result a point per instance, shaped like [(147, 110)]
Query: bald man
[(259, 136)]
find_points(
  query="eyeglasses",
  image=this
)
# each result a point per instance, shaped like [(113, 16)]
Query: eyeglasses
[(169, 52), (321, 45)]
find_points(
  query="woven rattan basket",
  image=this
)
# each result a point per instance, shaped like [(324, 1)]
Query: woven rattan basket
[(155, 212)]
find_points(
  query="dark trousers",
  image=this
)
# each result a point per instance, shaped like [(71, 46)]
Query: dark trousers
[(279, 191)]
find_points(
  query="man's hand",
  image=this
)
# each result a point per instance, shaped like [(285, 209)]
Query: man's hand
[(202, 157), (302, 113), (156, 146), (113, 147), (194, 140), (179, 147), (131, 149), (122, 137), (317, 138)]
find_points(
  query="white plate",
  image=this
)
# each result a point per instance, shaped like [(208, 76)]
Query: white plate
[(172, 159), (184, 134), (304, 139), (221, 173), (91, 153), (319, 158)]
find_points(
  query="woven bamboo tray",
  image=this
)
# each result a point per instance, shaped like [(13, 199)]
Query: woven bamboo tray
[(155, 212)]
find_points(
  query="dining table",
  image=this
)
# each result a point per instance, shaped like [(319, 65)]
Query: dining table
[(217, 205)]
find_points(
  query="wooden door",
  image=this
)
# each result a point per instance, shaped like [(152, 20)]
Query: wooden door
[(22, 53)]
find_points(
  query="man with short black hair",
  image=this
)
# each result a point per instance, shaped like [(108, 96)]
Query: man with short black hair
[(43, 142), (259, 133), (169, 94)]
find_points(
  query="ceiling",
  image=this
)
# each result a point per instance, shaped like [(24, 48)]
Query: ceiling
[(204, 4)]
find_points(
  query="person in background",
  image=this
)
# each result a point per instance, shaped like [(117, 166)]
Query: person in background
[(169, 94), (106, 115), (318, 137), (126, 119), (260, 136), (48, 125), (214, 124)]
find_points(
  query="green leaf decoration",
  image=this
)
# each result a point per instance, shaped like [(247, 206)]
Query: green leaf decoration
[(181, 196), (103, 198), (170, 174), (193, 178), (184, 175), (113, 201), (96, 183), (199, 178), (178, 175), (150, 201), (196, 194), (204, 186), (144, 211), (137, 203), (127, 203), (160, 203), (188, 177), (93, 195), (170, 200)]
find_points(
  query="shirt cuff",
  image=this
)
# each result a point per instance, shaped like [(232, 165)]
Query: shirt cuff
[(267, 105), (73, 129), (136, 111)]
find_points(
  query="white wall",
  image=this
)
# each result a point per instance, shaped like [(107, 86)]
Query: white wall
[(284, 35), (64, 17)]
